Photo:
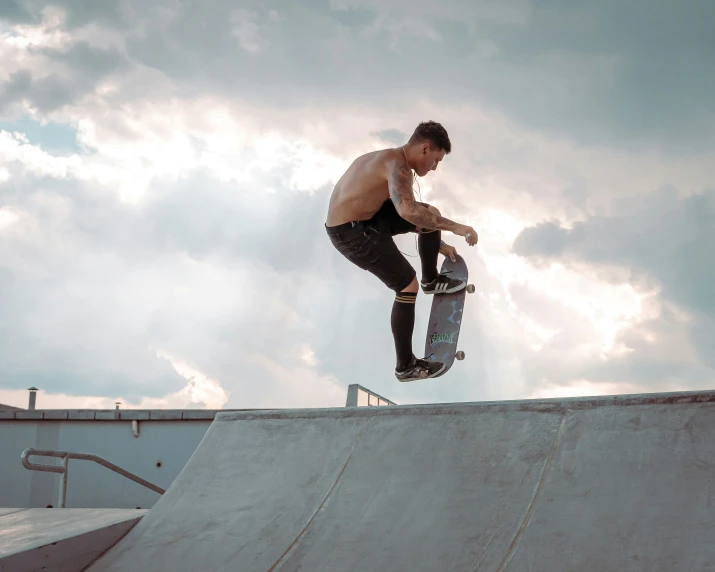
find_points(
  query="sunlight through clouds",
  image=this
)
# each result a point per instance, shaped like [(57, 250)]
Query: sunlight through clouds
[(299, 384), (199, 391), (8, 217), (47, 34), (175, 252)]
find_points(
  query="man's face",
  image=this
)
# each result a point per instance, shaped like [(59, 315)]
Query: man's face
[(430, 157)]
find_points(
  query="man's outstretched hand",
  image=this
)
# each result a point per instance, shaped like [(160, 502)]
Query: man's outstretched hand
[(449, 251), (469, 234)]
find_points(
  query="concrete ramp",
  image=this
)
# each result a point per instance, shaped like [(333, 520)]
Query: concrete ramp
[(59, 540), (618, 483)]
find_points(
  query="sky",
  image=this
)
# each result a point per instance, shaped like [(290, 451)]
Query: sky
[(165, 170)]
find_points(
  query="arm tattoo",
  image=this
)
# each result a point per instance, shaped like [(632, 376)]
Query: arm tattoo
[(424, 218), (400, 187)]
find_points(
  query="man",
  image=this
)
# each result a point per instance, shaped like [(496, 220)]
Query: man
[(372, 202)]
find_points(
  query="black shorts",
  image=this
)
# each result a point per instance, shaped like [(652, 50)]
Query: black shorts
[(369, 245)]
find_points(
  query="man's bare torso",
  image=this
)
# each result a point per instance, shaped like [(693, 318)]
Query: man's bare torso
[(362, 190)]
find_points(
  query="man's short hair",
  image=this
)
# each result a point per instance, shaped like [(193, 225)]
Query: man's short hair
[(434, 133)]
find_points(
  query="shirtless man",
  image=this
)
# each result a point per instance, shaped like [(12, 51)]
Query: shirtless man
[(372, 202)]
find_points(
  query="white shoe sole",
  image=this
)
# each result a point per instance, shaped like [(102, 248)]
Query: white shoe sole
[(447, 291), (435, 374)]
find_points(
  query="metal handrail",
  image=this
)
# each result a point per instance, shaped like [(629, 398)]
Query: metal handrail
[(66, 456)]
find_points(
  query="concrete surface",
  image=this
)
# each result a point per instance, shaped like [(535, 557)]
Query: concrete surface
[(622, 483), (59, 540)]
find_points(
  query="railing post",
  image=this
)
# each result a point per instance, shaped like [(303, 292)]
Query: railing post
[(63, 482)]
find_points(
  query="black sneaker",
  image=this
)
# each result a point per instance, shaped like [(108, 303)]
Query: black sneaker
[(443, 285), (419, 369)]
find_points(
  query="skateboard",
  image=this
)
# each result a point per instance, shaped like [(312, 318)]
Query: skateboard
[(446, 318)]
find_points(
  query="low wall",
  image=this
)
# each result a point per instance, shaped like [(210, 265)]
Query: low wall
[(155, 447)]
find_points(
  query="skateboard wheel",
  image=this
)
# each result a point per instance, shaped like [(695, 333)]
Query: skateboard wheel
[(459, 355), (470, 288)]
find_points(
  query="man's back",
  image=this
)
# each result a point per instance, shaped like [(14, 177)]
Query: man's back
[(362, 189)]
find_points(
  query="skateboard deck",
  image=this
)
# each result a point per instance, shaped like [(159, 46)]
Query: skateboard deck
[(445, 317)]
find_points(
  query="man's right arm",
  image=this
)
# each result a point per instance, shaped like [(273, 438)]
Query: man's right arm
[(400, 187)]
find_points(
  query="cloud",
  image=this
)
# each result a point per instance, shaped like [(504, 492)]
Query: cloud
[(663, 239), (393, 136), (58, 71), (658, 245), (15, 12), (183, 271), (199, 392), (599, 74), (165, 172), (247, 31)]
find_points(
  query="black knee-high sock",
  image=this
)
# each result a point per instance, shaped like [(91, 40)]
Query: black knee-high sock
[(403, 324), (428, 247)]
